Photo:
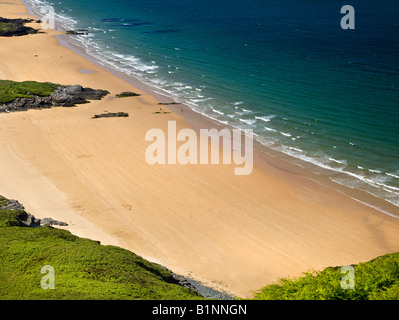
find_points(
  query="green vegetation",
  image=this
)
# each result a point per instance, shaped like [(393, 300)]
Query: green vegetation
[(3, 201), (7, 27), (377, 279), (15, 27), (83, 269), (11, 90), (127, 94)]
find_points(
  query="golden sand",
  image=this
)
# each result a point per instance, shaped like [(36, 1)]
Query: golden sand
[(238, 233)]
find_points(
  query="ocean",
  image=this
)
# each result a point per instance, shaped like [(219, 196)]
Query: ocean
[(326, 96)]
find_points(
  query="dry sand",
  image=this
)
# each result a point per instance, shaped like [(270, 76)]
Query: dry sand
[(238, 233)]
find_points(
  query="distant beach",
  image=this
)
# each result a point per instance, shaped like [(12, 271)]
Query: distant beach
[(235, 233)]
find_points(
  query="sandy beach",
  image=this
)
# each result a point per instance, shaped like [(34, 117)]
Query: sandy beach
[(237, 233)]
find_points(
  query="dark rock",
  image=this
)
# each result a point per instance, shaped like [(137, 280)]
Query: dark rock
[(63, 96), (180, 280), (51, 222), (13, 205), (68, 96), (204, 290), (125, 94), (167, 103), (78, 32), (111, 115), (16, 27), (28, 220)]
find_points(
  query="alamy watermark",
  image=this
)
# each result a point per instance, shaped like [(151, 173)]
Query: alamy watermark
[(348, 280), (48, 281), (348, 20), (48, 18), (164, 148)]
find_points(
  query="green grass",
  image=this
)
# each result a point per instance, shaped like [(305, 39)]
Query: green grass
[(83, 269), (11, 90), (3, 201), (377, 279), (7, 27)]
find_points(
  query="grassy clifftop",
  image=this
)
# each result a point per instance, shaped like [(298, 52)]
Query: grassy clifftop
[(83, 269), (11, 90), (7, 27), (377, 279)]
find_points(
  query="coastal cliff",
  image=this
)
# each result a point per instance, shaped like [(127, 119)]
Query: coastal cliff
[(21, 96), (15, 27), (83, 268)]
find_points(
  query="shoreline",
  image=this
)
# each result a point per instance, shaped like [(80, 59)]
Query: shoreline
[(276, 223), (263, 155)]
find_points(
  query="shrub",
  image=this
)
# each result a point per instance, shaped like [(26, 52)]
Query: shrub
[(84, 269), (377, 279)]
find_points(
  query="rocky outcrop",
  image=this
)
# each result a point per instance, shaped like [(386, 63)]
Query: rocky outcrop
[(126, 94), (78, 32), (202, 289), (68, 96), (63, 96), (15, 27), (111, 115), (28, 220), (12, 205), (51, 222)]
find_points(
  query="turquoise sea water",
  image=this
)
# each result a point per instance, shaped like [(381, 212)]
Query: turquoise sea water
[(285, 69)]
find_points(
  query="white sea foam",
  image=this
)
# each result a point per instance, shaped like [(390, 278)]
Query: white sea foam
[(379, 209), (62, 21), (295, 149), (337, 161), (392, 175), (213, 118), (217, 111), (132, 65), (200, 99), (266, 118), (270, 129), (247, 121)]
